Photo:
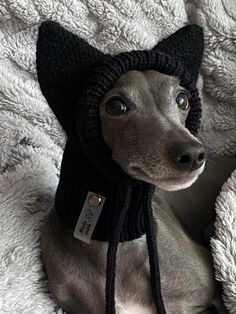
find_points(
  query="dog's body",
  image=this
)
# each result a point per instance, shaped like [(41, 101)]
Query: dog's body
[(139, 142), (77, 271)]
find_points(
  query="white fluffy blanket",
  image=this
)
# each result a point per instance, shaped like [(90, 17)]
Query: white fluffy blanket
[(31, 140)]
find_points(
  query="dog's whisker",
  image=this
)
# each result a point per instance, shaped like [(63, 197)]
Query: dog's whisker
[(211, 162)]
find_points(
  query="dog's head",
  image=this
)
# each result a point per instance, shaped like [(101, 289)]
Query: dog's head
[(122, 109), (143, 122)]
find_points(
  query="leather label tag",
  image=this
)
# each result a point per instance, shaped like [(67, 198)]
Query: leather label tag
[(89, 217)]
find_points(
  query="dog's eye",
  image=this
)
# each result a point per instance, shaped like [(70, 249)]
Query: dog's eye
[(116, 107), (182, 100)]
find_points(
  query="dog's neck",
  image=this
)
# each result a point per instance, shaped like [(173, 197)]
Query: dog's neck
[(81, 177)]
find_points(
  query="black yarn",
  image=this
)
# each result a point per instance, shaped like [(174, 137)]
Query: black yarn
[(153, 254), (111, 256), (74, 78)]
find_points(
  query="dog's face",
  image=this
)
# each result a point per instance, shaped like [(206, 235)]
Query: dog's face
[(143, 123)]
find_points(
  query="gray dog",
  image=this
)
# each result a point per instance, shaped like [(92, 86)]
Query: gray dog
[(170, 157)]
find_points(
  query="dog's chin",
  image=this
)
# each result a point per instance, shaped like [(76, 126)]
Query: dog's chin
[(175, 184), (179, 182)]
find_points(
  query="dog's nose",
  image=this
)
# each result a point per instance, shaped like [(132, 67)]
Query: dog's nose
[(187, 156)]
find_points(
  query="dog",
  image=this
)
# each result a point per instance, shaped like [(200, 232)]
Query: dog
[(143, 123)]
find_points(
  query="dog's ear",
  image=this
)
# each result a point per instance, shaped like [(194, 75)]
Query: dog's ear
[(63, 59), (187, 45)]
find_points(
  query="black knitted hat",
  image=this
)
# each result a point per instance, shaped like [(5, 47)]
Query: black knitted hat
[(74, 77)]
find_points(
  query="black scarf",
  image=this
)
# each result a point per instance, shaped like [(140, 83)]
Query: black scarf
[(74, 77)]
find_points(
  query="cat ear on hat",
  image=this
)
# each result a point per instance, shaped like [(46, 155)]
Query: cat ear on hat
[(186, 45), (63, 61)]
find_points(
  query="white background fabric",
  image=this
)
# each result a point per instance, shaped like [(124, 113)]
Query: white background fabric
[(31, 141)]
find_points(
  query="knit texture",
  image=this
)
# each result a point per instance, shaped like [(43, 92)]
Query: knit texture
[(78, 176), (65, 62)]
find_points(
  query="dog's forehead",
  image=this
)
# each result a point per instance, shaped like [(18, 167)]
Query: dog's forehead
[(146, 80)]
